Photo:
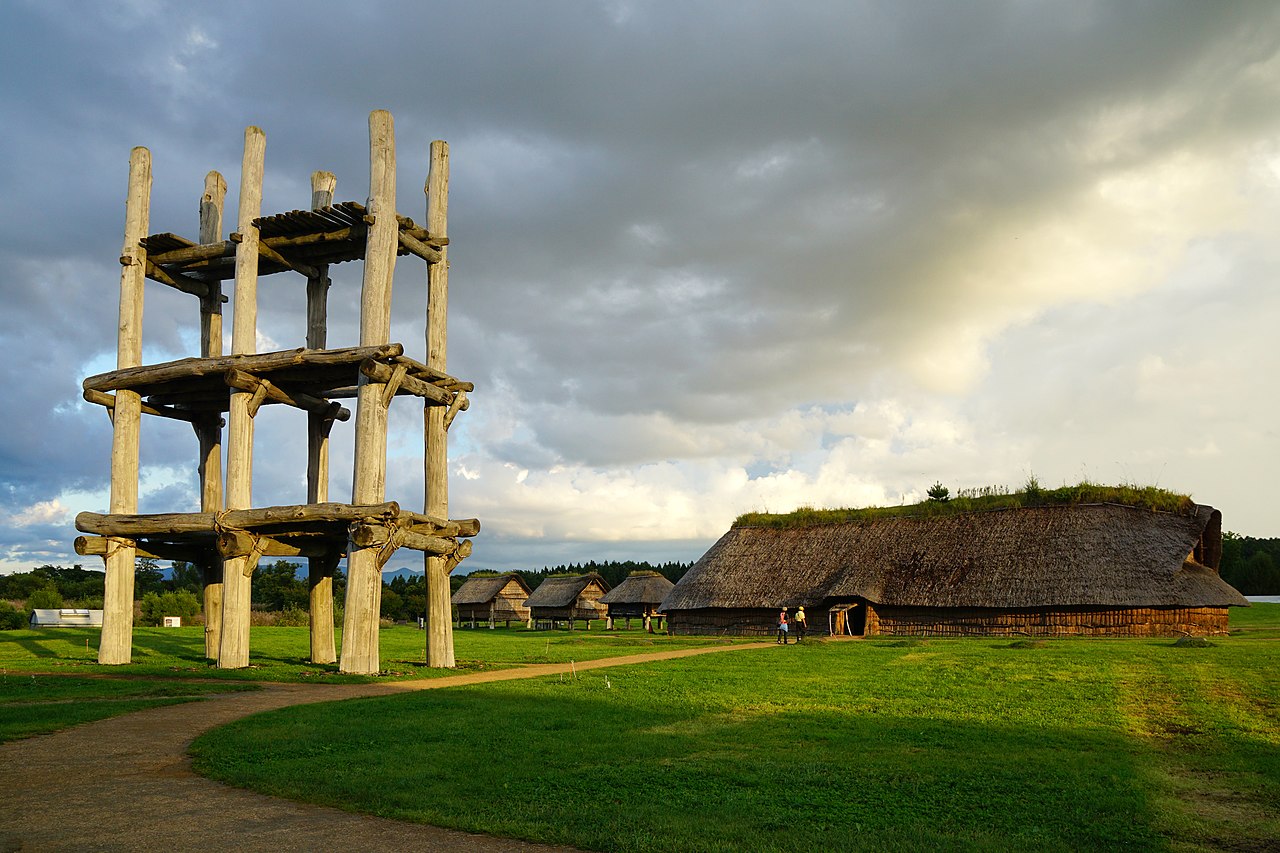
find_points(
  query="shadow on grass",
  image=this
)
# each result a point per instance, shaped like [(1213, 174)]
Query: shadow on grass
[(588, 771), (54, 642)]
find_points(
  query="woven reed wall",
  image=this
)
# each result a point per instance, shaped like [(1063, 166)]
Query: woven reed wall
[(972, 622), (1064, 622), (738, 622), (632, 608), (510, 603), (580, 610)]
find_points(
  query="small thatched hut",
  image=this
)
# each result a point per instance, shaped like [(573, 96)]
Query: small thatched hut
[(493, 599), (567, 599), (640, 595), (1085, 569)]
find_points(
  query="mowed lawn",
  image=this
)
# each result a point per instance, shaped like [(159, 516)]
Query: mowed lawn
[(876, 744), (50, 678), (280, 654)]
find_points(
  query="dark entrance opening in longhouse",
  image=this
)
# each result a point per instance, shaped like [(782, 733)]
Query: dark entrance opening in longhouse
[(848, 619)]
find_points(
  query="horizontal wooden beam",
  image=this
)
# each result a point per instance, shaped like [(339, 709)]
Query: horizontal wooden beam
[(436, 377), (297, 266), (413, 229), (101, 398), (338, 236), (457, 527), (179, 281), (419, 248), (187, 368), (239, 543), (100, 546), (226, 249), (379, 372), (191, 254), (210, 522), (248, 382), (366, 535)]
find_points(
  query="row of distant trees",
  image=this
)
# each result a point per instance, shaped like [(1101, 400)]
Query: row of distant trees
[(276, 587), (1251, 565)]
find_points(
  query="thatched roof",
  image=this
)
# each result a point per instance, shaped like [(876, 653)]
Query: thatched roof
[(643, 587), (562, 591), (1089, 554), (483, 590)]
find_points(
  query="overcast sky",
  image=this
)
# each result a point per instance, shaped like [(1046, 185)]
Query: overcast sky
[(706, 258)]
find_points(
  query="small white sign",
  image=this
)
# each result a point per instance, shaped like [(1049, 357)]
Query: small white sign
[(173, 621)]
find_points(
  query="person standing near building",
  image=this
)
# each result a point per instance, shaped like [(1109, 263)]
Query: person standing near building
[(782, 626), (802, 625)]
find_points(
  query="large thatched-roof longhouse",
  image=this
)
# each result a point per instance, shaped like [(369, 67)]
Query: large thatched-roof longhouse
[(1085, 570)]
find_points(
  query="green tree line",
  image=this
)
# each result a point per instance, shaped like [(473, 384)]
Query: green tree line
[(612, 571), (1251, 565)]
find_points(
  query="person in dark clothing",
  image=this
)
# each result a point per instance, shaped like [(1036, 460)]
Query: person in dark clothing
[(802, 625)]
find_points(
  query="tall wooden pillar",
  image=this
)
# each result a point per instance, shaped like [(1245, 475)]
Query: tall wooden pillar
[(320, 569), (436, 437), (209, 431), (116, 645), (364, 570), (234, 650)]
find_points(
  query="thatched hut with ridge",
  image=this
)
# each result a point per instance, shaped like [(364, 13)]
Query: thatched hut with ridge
[(567, 598), (1069, 570), (492, 599), (639, 596)]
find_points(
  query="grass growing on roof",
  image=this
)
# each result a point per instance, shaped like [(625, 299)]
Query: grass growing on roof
[(982, 500), (954, 744)]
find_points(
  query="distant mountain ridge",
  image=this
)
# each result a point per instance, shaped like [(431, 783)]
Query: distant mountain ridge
[(403, 572)]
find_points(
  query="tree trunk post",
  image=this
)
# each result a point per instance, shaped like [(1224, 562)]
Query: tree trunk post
[(320, 582), (436, 438), (320, 571), (116, 645), (364, 571), (234, 651), (209, 431)]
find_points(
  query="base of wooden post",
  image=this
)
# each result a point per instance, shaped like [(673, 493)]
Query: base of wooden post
[(439, 621), (233, 651), (320, 581), (116, 645), (361, 613)]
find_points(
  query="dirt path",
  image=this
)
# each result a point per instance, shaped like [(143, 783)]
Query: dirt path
[(126, 783)]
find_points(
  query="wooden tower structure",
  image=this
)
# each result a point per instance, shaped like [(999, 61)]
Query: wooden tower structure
[(228, 535)]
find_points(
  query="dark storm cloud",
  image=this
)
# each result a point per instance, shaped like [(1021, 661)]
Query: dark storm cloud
[(673, 225)]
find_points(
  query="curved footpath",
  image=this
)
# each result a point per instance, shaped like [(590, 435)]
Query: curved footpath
[(126, 783)]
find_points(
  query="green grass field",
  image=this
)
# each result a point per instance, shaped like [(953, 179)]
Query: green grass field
[(878, 744), (33, 705), (50, 679), (280, 654)]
